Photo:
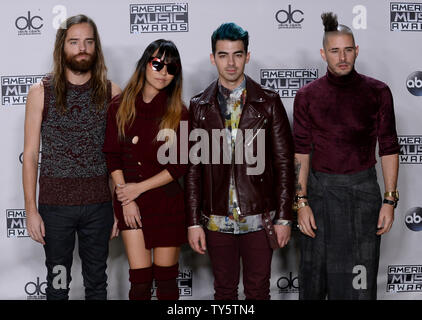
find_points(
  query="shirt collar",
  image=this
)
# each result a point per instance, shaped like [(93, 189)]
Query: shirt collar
[(342, 80), (227, 92)]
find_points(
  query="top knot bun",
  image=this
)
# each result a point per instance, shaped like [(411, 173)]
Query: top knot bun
[(329, 20)]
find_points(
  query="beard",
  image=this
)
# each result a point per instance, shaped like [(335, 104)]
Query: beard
[(83, 65)]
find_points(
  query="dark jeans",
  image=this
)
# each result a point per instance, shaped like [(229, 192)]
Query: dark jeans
[(93, 224), (226, 250), (341, 262)]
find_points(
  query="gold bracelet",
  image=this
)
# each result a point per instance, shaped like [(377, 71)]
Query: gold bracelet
[(393, 194), (301, 205)]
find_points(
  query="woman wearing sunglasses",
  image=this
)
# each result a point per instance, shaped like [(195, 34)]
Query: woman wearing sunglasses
[(148, 200)]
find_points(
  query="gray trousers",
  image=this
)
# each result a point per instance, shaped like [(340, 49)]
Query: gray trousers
[(341, 262)]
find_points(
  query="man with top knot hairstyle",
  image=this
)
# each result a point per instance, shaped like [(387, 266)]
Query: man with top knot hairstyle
[(338, 120)]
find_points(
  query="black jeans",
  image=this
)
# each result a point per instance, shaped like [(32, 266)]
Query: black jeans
[(346, 248), (93, 224)]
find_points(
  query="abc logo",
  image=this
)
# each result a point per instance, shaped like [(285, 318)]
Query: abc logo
[(413, 219), (414, 83)]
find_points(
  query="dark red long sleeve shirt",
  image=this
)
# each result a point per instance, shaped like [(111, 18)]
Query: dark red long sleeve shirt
[(161, 208), (136, 155), (340, 120)]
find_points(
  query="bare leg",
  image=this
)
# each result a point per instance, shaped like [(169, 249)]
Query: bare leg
[(166, 256), (138, 256)]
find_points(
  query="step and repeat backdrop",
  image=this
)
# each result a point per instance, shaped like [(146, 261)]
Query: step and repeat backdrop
[(285, 38)]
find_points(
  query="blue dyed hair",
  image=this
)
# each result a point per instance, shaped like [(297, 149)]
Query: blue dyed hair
[(230, 31)]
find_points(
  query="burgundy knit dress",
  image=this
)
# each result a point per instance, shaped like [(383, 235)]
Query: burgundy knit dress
[(162, 208)]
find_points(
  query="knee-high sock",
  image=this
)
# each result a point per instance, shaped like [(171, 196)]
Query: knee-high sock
[(165, 278), (140, 283)]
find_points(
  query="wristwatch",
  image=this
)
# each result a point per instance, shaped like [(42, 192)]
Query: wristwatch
[(300, 197), (393, 194), (391, 202)]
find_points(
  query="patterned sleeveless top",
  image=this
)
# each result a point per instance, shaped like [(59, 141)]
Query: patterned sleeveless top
[(73, 167)]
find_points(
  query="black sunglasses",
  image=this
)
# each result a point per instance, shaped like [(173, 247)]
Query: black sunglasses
[(157, 64)]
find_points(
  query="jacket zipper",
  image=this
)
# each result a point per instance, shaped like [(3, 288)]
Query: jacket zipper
[(234, 171), (257, 130)]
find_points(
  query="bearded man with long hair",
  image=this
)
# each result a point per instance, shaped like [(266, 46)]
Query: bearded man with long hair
[(67, 112)]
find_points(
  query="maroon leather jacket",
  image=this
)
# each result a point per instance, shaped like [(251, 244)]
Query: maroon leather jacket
[(207, 185)]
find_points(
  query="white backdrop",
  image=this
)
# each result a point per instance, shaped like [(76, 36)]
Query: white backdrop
[(283, 35)]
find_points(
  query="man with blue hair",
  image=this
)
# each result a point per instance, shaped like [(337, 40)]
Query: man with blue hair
[(233, 211)]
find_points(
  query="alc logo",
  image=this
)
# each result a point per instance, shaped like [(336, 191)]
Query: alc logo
[(38, 288), (290, 19), (29, 23), (288, 284)]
